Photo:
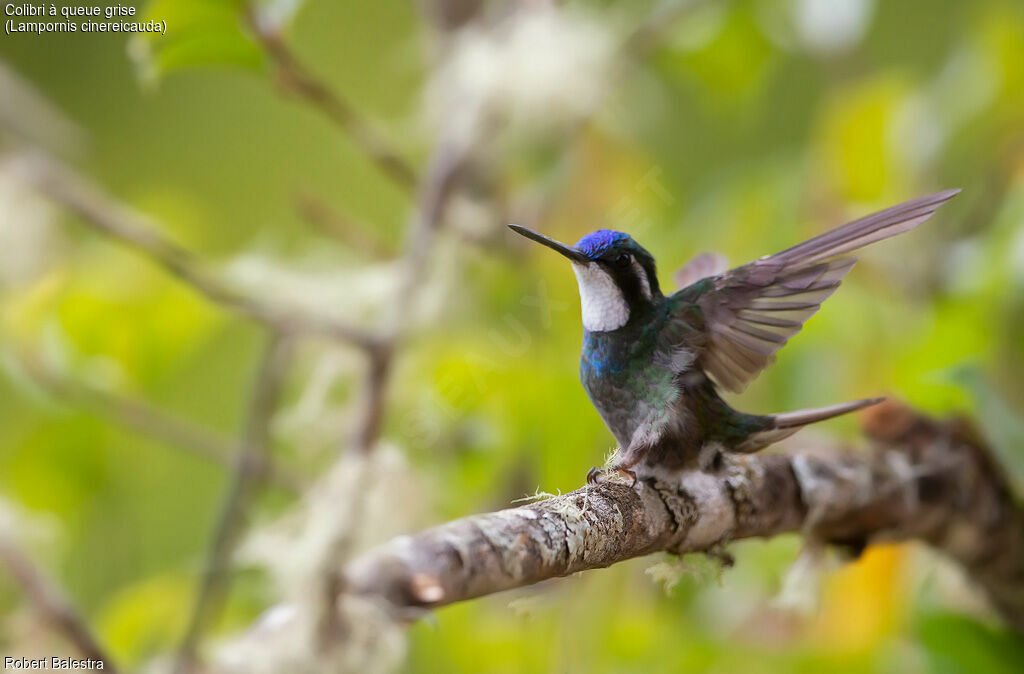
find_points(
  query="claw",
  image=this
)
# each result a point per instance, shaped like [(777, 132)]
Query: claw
[(626, 472), (596, 475)]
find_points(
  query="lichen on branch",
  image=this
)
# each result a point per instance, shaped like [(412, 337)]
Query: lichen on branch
[(921, 479)]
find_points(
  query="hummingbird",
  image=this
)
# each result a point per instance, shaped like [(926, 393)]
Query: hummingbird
[(653, 365)]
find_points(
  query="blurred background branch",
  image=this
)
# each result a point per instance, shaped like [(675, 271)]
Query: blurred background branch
[(735, 123), (121, 223), (348, 233), (177, 433), (56, 609), (251, 464), (296, 79)]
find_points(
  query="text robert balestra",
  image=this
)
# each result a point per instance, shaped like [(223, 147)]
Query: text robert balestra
[(54, 663)]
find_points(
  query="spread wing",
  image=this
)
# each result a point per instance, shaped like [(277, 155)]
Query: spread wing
[(701, 266), (749, 312)]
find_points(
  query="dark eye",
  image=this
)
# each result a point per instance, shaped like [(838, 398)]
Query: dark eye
[(622, 261)]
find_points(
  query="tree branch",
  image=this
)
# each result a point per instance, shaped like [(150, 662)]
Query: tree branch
[(111, 218), (250, 463), (439, 184), (52, 604), (142, 417), (922, 480), (650, 33), (296, 78), (349, 233)]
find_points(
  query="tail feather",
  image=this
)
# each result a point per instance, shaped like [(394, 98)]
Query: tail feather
[(786, 424), (799, 418)]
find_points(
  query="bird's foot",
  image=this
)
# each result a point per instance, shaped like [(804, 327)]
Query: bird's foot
[(597, 475), (626, 472)]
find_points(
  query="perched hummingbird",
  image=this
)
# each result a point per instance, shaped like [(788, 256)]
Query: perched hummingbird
[(652, 365)]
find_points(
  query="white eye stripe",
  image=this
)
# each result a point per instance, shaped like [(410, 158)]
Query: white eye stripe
[(641, 273)]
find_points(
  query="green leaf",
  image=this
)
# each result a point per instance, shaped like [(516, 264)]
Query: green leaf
[(199, 33), (959, 644)]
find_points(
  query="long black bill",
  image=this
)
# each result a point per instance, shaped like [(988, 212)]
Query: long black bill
[(567, 251)]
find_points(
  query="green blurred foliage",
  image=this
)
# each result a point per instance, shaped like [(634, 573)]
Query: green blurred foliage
[(199, 33), (754, 135)]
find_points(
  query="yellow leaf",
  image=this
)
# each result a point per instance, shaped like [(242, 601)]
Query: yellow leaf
[(145, 617), (863, 601)]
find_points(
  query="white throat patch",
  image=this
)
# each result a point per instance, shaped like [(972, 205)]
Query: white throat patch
[(604, 307)]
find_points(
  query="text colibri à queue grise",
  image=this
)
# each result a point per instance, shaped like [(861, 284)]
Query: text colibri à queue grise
[(75, 18), (69, 11)]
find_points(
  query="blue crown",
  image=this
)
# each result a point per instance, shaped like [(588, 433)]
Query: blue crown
[(593, 245)]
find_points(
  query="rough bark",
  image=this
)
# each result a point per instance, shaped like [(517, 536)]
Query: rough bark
[(922, 479)]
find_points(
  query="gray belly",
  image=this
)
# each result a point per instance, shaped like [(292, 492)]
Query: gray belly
[(618, 405), (639, 401)]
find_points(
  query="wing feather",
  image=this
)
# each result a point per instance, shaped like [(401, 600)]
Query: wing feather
[(751, 311), (700, 267)]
